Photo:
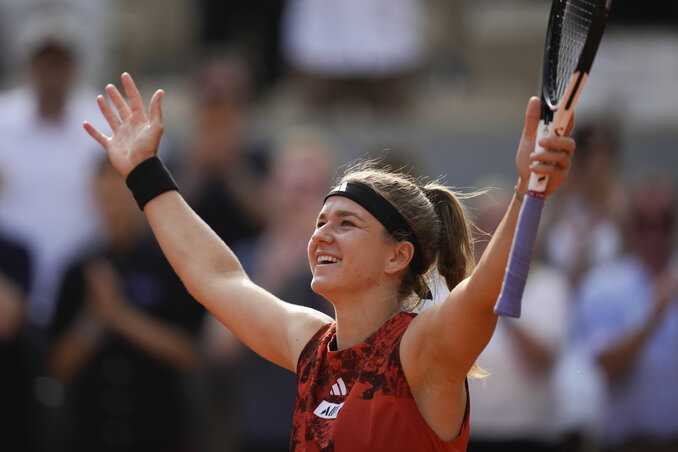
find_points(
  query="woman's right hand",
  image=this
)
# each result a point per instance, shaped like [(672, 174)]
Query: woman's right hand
[(553, 160), (136, 135)]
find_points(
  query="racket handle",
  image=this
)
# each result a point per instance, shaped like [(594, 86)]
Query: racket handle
[(510, 298)]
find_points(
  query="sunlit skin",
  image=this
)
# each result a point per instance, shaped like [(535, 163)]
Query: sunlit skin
[(439, 346), (363, 286), (344, 231)]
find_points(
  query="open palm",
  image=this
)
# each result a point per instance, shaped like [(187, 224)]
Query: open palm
[(136, 135)]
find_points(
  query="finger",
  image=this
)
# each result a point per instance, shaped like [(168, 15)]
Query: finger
[(532, 117), (108, 113), (155, 109), (564, 144), (120, 104), (550, 168), (133, 95), (94, 133), (550, 156)]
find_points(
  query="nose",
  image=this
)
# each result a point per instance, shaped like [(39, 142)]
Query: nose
[(321, 235)]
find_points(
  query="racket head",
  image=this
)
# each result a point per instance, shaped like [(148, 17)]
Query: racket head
[(574, 31)]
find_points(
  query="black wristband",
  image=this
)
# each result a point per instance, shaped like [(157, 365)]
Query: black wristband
[(149, 179)]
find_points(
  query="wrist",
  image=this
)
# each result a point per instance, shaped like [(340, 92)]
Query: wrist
[(520, 190), (149, 179)]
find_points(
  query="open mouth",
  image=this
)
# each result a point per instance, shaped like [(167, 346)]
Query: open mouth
[(324, 260)]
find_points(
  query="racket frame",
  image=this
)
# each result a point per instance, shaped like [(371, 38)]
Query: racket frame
[(510, 299)]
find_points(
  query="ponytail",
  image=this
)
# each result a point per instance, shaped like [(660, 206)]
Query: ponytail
[(439, 223), (455, 259)]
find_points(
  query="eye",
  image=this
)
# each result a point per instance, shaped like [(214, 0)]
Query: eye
[(347, 223), (320, 224)]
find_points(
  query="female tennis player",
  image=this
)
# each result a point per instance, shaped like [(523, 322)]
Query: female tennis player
[(379, 377)]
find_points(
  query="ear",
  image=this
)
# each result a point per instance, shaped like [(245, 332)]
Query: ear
[(401, 257)]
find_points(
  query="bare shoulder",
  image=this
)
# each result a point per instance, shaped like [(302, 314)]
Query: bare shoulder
[(306, 322)]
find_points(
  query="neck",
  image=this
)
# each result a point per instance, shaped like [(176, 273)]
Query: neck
[(357, 321), (51, 109)]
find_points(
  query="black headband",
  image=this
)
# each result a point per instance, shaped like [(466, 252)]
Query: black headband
[(382, 210)]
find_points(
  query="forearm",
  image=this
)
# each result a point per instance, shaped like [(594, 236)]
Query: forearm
[(156, 338), (486, 280), (537, 355), (195, 252), (12, 312), (214, 277), (473, 301), (617, 358), (73, 350)]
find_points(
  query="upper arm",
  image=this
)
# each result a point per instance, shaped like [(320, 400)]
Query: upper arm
[(451, 335), (213, 275), (448, 337), (437, 351), (276, 330)]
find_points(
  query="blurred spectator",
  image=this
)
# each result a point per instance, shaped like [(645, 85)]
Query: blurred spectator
[(628, 323), (15, 433), (124, 338), (301, 174), (247, 27), (365, 50), (222, 175), (584, 230), (46, 160), (515, 407), (92, 19)]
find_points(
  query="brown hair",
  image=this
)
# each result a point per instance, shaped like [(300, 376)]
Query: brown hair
[(440, 225), (437, 218)]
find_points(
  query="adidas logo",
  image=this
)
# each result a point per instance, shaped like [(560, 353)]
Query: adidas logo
[(338, 388), (328, 410)]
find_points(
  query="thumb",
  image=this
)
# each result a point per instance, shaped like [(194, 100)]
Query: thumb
[(529, 138), (532, 117), (155, 108)]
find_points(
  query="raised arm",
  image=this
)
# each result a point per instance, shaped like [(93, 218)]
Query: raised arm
[(207, 267), (456, 331)]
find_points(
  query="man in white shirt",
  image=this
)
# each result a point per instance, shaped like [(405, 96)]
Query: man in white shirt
[(46, 160)]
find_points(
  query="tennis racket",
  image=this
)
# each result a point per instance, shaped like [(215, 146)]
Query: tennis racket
[(574, 31)]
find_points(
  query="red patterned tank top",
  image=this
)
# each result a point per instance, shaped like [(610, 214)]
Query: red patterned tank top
[(358, 399)]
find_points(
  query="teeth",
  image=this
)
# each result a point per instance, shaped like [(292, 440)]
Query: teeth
[(328, 260)]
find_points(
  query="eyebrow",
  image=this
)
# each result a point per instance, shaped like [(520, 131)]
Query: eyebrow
[(341, 214)]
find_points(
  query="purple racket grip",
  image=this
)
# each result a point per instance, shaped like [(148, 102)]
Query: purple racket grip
[(510, 298)]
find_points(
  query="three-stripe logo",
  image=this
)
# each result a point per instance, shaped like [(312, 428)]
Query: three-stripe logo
[(329, 410), (338, 388)]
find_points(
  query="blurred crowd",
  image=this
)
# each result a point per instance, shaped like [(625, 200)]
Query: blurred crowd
[(102, 348)]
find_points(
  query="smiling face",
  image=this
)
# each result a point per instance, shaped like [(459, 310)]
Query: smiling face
[(349, 250)]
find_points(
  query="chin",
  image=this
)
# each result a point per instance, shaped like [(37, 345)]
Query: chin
[(322, 286)]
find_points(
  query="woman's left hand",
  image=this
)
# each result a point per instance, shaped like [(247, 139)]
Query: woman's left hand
[(554, 160), (136, 134)]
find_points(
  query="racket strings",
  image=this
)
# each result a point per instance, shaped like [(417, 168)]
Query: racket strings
[(571, 28)]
